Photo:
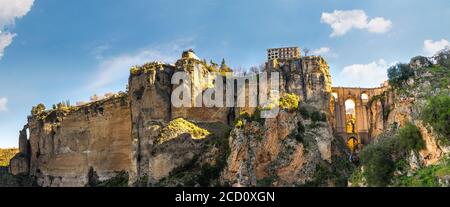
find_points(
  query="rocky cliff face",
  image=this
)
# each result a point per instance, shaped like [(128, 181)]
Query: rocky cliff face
[(140, 133), (290, 149), (308, 77), (283, 151), (400, 106), (151, 108), (417, 151), (69, 146)]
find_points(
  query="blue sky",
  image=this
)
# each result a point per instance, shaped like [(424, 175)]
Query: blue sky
[(53, 50)]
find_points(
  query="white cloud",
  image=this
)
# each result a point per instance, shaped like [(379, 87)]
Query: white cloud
[(10, 10), (5, 41), (3, 102), (321, 51), (379, 25), (431, 47), (343, 21), (117, 69), (364, 75)]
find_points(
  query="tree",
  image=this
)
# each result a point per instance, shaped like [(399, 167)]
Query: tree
[(410, 138), (38, 109), (254, 70), (213, 63), (399, 74), (437, 114), (224, 67), (443, 57), (306, 51), (378, 165)]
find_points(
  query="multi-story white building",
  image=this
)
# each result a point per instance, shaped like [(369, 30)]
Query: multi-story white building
[(284, 53)]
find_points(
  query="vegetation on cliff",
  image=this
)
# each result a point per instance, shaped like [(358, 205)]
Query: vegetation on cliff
[(6, 155), (422, 88), (437, 114), (205, 168), (64, 107), (147, 67), (289, 102), (382, 158), (432, 176), (180, 126)]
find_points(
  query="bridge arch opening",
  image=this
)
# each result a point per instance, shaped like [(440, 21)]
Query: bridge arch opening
[(364, 97), (352, 144), (334, 95), (350, 116)]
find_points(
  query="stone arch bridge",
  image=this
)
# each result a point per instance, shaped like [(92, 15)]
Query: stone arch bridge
[(357, 113)]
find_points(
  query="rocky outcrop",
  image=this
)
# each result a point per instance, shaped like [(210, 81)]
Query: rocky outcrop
[(150, 91), (408, 104), (66, 143), (285, 150), (308, 77), (124, 134), (20, 163)]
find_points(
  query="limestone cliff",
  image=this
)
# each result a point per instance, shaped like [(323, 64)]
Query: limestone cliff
[(141, 139), (282, 152), (70, 145), (399, 106), (410, 127)]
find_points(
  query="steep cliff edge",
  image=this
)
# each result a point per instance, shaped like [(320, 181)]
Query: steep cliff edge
[(415, 136), (72, 146), (140, 138), (298, 147)]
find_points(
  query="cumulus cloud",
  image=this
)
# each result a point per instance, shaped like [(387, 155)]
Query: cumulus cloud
[(5, 40), (3, 102), (321, 51), (379, 25), (343, 21), (10, 10), (115, 69), (324, 52), (366, 75), (431, 47)]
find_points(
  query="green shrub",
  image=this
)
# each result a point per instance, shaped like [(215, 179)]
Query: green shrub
[(306, 114), (409, 138), (399, 74), (289, 102), (378, 165), (437, 114), (443, 57), (180, 126), (245, 116), (37, 109), (238, 123), (317, 116), (427, 176), (301, 129), (256, 116), (266, 182)]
